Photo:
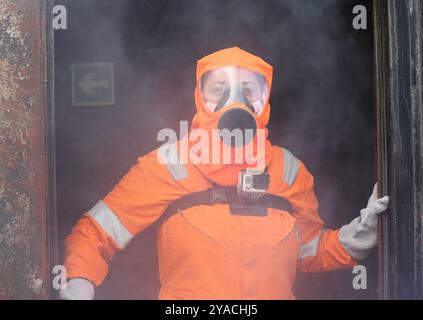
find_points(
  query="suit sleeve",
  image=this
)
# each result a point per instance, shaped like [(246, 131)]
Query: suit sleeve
[(138, 200), (320, 248)]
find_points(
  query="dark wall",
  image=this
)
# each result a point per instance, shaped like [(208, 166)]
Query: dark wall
[(322, 107)]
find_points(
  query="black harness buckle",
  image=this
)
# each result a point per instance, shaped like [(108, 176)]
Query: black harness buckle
[(218, 195), (238, 205)]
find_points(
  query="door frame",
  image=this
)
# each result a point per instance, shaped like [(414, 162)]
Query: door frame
[(399, 108)]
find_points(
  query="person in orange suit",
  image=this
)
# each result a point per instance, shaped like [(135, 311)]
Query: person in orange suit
[(231, 229)]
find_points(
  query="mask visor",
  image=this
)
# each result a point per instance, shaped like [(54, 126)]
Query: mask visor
[(224, 86)]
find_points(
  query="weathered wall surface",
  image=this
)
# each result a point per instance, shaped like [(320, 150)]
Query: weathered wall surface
[(22, 167)]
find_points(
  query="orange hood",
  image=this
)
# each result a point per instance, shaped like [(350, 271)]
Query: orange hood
[(231, 57), (227, 174)]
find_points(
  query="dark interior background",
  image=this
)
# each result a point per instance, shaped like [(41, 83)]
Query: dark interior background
[(322, 108)]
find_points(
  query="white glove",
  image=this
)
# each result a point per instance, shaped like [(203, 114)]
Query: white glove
[(360, 236), (77, 289)]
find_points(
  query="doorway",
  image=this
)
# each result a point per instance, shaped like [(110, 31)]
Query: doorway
[(322, 108)]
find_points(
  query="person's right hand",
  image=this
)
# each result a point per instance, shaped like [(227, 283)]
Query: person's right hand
[(77, 289)]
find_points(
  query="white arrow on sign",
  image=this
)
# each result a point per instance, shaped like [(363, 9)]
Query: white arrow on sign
[(87, 84)]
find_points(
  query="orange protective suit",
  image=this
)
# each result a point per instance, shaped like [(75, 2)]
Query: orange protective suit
[(205, 252)]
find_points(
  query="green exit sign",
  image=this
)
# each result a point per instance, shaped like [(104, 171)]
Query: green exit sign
[(93, 84)]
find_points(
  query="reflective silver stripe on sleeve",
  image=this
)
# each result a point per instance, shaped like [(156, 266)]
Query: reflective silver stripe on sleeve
[(290, 167), (178, 171), (174, 164), (310, 249), (110, 223)]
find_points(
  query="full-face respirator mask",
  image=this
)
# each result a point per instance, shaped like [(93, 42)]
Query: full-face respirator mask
[(238, 95)]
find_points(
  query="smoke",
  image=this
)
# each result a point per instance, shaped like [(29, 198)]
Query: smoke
[(322, 91), (322, 98)]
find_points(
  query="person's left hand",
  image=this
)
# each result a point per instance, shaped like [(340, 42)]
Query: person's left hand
[(360, 236)]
